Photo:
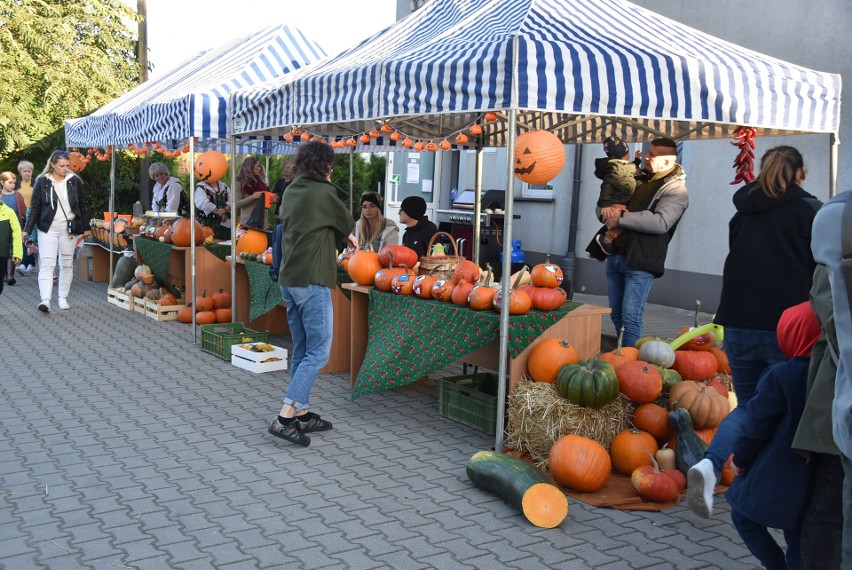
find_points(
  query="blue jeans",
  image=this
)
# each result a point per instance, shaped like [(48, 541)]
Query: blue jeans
[(311, 320), (628, 291), (847, 512), (749, 352), (761, 544)]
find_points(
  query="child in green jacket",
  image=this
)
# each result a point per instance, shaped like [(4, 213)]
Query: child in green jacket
[(10, 231)]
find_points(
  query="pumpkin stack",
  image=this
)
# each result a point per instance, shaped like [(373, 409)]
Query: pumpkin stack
[(215, 308), (545, 287)]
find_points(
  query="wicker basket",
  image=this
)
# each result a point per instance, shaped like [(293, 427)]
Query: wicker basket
[(446, 263)]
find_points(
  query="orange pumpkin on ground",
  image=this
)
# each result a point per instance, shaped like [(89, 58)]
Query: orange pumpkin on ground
[(223, 315), (548, 357), (221, 299), (621, 354), (632, 448), (723, 366), (655, 485), (579, 463), (203, 303), (185, 313), (205, 317)]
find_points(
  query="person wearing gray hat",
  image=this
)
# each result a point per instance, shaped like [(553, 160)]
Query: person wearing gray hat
[(418, 229)]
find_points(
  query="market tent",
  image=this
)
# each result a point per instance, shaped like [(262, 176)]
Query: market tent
[(582, 69), (579, 68), (193, 99)]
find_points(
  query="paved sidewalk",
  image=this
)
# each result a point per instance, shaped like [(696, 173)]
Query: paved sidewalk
[(123, 445)]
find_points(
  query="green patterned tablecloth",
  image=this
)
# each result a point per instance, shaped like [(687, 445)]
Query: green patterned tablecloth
[(264, 294), (220, 250), (155, 255), (410, 337)]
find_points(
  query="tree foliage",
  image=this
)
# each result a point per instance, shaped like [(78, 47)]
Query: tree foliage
[(58, 60)]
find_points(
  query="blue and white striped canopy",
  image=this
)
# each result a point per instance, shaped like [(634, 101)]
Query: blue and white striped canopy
[(580, 68), (193, 99)]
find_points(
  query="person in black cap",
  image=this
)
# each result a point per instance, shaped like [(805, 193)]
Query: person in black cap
[(418, 229), (618, 180)]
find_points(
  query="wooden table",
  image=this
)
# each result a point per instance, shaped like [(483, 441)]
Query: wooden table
[(100, 262), (583, 326), (211, 273)]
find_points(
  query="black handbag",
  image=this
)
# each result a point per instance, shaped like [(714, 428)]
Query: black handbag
[(594, 248)]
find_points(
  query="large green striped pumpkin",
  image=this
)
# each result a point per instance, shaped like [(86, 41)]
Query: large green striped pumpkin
[(589, 383)]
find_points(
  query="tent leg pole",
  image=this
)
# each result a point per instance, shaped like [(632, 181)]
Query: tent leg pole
[(832, 165)]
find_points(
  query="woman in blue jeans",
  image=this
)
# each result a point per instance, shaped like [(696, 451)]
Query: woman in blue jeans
[(769, 268)]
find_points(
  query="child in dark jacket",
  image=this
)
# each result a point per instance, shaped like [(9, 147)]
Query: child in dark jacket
[(618, 180), (771, 484)]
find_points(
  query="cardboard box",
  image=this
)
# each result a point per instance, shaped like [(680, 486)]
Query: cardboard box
[(254, 361)]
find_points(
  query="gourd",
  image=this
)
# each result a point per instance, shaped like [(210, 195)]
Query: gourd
[(545, 298), (653, 484), (707, 408), (690, 449), (384, 276), (546, 274), (343, 262), (695, 364), (630, 449), (579, 463), (591, 383), (639, 381), (701, 342), (461, 292), (466, 270), (657, 352), (168, 300), (654, 419), (519, 301), (548, 357), (666, 457), (520, 484), (481, 297), (621, 354), (181, 235), (422, 286), (670, 378), (722, 364), (123, 272), (442, 290), (363, 266)]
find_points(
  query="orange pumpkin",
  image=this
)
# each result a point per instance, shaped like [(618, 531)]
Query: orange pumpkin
[(363, 266), (695, 364), (654, 419), (403, 283), (639, 381), (168, 300), (722, 364), (203, 303), (727, 472), (545, 298), (76, 161), (221, 299), (580, 463), (385, 275), (461, 293), (250, 240), (397, 255), (223, 315), (442, 290), (706, 406), (422, 286), (632, 448), (539, 157), (519, 302), (548, 357), (211, 166), (180, 232), (185, 313), (343, 262), (205, 318), (546, 274), (621, 354), (467, 271)]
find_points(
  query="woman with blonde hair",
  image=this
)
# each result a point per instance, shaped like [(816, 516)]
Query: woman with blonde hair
[(372, 228), (769, 268)]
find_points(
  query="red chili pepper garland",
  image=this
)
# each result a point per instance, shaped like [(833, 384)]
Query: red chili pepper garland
[(744, 162)]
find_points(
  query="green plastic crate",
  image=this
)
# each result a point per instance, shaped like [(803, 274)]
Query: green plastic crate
[(470, 400), (219, 338)]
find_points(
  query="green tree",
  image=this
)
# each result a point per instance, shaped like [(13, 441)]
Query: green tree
[(59, 59)]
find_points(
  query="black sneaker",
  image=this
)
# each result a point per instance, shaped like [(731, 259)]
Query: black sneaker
[(292, 433), (11, 281), (606, 245), (312, 422)]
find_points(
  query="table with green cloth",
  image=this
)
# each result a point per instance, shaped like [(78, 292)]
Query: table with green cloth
[(411, 337), (171, 266), (264, 293)]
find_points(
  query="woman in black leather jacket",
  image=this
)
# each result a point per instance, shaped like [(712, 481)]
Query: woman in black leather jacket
[(58, 209)]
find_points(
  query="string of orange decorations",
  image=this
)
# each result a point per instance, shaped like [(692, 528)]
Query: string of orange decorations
[(474, 129), (155, 146), (93, 152)]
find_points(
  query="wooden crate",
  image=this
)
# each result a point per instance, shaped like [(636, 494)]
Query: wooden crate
[(159, 313), (139, 305), (254, 361), (123, 300)]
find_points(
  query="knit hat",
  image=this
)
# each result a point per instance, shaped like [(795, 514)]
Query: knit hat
[(615, 147), (414, 207), (798, 330), (372, 198)]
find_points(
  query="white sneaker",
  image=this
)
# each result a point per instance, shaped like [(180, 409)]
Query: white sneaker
[(21, 269), (44, 306), (63, 304), (700, 484)]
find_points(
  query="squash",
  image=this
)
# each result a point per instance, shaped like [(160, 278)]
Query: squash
[(180, 232), (630, 449), (727, 476), (461, 292), (168, 300), (442, 290), (223, 315), (545, 298), (481, 297), (391, 255), (579, 463), (520, 484), (185, 313), (403, 283), (140, 269), (657, 352), (722, 364), (422, 286), (707, 408), (204, 303), (519, 301), (363, 266), (123, 271), (701, 342), (653, 484), (546, 274), (654, 419), (670, 378), (621, 354), (591, 383), (548, 357), (466, 270), (690, 449), (221, 299), (695, 364), (639, 381), (384, 276), (205, 318), (666, 457)]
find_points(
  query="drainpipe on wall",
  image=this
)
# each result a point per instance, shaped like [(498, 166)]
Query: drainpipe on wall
[(570, 263)]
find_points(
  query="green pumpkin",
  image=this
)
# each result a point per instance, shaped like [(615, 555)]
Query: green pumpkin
[(670, 378), (589, 383)]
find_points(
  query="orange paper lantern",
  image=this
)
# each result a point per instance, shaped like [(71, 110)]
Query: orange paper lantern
[(76, 161), (539, 157), (211, 166)]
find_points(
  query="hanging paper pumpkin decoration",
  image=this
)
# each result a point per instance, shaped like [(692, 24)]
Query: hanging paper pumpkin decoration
[(461, 138), (374, 134), (352, 142), (418, 145), (407, 142), (365, 138), (475, 129), (305, 136), (490, 116), (395, 136), (386, 128), (431, 146), (76, 161), (539, 157), (445, 145), (211, 166), (296, 132), (288, 137)]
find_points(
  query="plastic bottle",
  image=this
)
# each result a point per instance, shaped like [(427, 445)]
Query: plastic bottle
[(517, 255)]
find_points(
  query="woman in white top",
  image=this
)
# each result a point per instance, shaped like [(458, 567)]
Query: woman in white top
[(167, 191), (212, 209), (372, 228), (58, 209)]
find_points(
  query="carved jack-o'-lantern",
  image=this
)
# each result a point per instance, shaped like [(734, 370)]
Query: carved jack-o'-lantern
[(76, 161), (211, 166), (539, 157)]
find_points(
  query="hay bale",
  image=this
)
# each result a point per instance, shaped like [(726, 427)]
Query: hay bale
[(538, 416)]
